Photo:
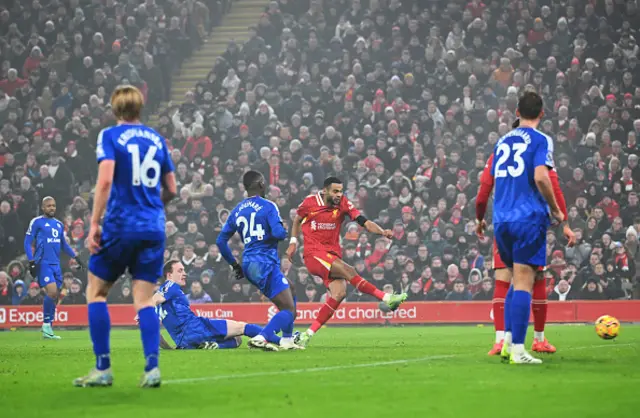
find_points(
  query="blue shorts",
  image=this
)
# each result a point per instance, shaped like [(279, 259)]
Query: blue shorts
[(144, 258), (521, 243), (49, 273), (204, 330), (266, 276)]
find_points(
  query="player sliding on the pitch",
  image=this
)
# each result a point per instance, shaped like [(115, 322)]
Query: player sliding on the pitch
[(260, 226), (503, 274), (187, 330), (321, 216), (523, 202)]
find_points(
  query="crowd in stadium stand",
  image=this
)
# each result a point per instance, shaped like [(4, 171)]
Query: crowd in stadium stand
[(403, 100)]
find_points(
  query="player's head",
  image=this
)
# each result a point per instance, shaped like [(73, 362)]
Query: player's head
[(49, 206), (127, 103), (174, 270), (333, 190), (530, 107), (254, 183)]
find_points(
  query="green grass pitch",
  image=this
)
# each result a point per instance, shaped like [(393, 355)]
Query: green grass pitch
[(345, 372)]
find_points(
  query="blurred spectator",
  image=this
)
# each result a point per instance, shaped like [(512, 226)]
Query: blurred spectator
[(34, 295), (459, 292), (563, 291), (197, 293), (6, 289), (75, 295)]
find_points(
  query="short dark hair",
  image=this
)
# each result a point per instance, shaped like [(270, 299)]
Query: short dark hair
[(251, 179), (331, 180), (168, 267), (530, 105)]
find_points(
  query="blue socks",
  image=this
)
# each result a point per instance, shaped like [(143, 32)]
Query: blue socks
[(280, 321), (287, 332), (507, 310), (48, 309), (251, 330), (150, 333), (99, 329), (230, 343), (520, 308)]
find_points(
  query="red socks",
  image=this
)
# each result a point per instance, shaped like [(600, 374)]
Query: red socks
[(499, 293), (366, 287), (539, 305), (326, 312)]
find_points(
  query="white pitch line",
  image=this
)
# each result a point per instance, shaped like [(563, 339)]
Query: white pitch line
[(308, 370), (351, 366)]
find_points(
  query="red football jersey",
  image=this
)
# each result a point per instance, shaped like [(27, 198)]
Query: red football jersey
[(321, 224)]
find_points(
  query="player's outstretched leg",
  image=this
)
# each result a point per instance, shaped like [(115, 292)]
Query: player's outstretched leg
[(499, 295), (99, 330), (523, 279), (539, 307), (341, 269), (49, 311)]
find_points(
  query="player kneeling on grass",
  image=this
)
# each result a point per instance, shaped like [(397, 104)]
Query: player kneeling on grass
[(258, 222), (187, 330)]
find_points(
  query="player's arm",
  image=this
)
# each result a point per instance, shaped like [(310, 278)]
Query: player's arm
[(169, 187), (543, 162), (295, 233), (106, 166), (164, 344), (28, 238), (222, 242), (71, 253), (301, 213), (158, 298), (367, 224), (562, 203), (484, 191), (275, 224)]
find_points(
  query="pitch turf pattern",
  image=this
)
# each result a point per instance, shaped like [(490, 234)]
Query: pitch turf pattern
[(345, 372)]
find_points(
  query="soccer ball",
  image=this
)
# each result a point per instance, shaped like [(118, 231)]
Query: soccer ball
[(607, 327)]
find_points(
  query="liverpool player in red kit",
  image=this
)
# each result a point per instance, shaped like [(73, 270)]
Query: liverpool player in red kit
[(320, 216), (503, 274)]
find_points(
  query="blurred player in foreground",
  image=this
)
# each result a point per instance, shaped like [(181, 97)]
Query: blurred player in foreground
[(135, 181), (187, 330), (503, 274), (44, 265), (320, 216), (258, 222), (523, 198)]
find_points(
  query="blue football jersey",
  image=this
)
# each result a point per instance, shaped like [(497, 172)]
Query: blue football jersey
[(258, 222), (516, 196), (141, 158), (48, 235), (175, 313)]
